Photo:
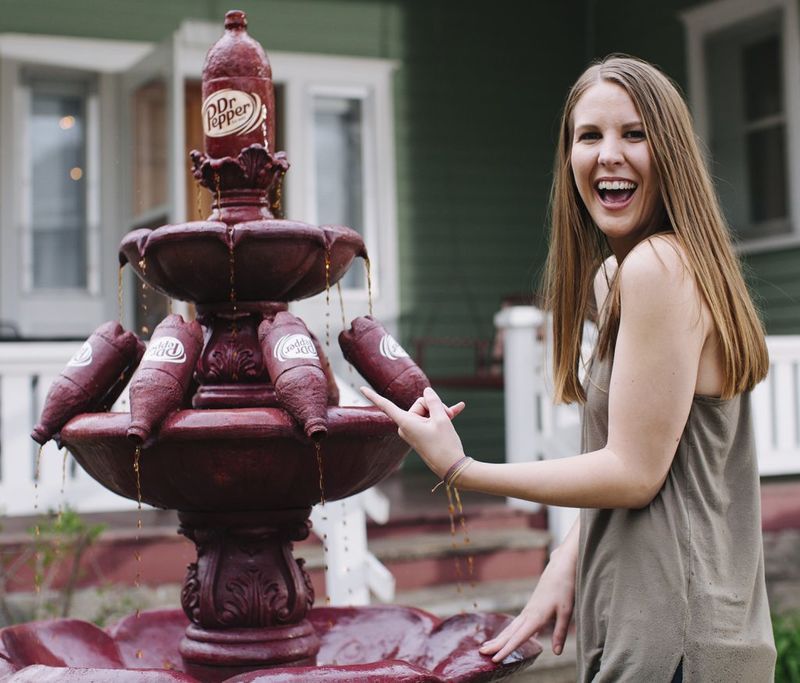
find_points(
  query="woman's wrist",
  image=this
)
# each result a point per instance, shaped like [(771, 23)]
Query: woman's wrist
[(454, 472)]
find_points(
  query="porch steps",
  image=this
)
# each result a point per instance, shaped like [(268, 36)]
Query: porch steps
[(430, 559)]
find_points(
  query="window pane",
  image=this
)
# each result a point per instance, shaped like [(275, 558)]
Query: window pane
[(57, 144), (747, 126), (150, 147), (339, 168), (761, 65), (766, 162)]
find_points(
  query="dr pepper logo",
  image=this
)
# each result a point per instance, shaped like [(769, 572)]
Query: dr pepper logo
[(294, 346), (82, 358), (229, 112), (165, 350), (390, 349)]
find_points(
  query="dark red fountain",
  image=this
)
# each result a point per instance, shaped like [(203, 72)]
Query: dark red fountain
[(237, 466)]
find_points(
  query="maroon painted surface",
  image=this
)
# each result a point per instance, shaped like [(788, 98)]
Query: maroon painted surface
[(61, 642), (92, 379), (160, 385), (46, 674), (246, 596), (388, 643), (248, 459), (174, 253), (382, 361), (296, 371)]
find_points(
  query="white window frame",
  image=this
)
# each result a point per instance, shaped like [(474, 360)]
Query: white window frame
[(93, 173), (699, 23), (60, 312)]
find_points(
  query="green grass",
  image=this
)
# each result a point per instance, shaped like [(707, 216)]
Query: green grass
[(787, 642)]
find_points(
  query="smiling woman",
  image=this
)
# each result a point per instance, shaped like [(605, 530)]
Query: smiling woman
[(665, 566)]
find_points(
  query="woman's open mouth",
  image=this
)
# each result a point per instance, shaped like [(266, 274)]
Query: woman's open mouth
[(615, 194)]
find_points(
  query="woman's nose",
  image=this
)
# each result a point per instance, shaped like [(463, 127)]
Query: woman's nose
[(610, 153)]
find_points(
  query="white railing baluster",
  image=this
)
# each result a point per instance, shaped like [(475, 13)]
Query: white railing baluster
[(17, 448), (536, 428)]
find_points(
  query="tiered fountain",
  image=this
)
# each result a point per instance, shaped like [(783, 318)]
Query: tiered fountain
[(234, 463)]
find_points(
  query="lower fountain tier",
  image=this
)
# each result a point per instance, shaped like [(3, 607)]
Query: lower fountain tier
[(238, 460), (375, 644)]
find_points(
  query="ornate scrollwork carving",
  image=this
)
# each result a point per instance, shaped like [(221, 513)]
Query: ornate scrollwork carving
[(190, 593), (254, 168), (229, 363), (245, 576)]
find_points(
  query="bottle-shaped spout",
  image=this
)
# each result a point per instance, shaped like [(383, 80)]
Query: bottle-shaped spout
[(160, 384), (296, 371), (371, 350), (92, 379), (238, 95)]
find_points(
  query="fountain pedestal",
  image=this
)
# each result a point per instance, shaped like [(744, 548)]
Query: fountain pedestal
[(246, 596)]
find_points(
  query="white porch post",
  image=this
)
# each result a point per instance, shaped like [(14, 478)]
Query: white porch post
[(522, 361)]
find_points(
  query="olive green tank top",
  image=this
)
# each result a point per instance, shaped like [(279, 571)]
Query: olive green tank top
[(681, 580)]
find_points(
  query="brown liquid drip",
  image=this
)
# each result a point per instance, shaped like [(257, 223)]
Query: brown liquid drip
[(345, 541), (277, 204), (119, 294), (36, 473), (368, 266), (328, 301), (318, 449), (199, 201), (325, 554), (344, 326), (137, 471), (470, 557), (63, 486), (143, 266), (451, 511), (38, 557)]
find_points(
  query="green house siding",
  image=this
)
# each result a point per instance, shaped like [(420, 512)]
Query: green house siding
[(478, 91), (478, 97)]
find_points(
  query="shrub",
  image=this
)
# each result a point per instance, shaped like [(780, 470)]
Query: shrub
[(787, 641)]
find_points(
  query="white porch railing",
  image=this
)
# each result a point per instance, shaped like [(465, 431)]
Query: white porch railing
[(538, 429), (27, 370)]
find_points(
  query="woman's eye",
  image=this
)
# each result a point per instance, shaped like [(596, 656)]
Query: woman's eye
[(635, 134), (589, 136)]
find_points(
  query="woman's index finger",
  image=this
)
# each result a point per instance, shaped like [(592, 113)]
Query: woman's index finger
[(397, 414)]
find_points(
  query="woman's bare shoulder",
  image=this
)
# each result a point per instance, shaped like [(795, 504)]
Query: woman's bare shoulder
[(656, 262)]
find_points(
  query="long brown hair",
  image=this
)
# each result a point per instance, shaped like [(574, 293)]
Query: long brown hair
[(578, 248)]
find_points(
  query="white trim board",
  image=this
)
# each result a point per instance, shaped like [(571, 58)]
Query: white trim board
[(711, 17)]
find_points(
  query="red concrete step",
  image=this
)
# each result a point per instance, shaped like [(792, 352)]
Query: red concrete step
[(429, 559)]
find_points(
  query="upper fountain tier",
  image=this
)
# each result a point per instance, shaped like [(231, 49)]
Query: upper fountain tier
[(244, 251), (269, 259)]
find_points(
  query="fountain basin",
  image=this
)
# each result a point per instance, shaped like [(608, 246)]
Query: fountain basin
[(192, 261), (386, 643), (238, 460)]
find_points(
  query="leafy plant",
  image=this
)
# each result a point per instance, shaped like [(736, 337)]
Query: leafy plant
[(787, 642), (59, 544)]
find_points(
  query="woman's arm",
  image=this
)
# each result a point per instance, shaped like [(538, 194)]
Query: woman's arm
[(656, 361), (553, 600)]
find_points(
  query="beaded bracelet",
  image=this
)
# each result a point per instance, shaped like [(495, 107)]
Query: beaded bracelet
[(455, 471)]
